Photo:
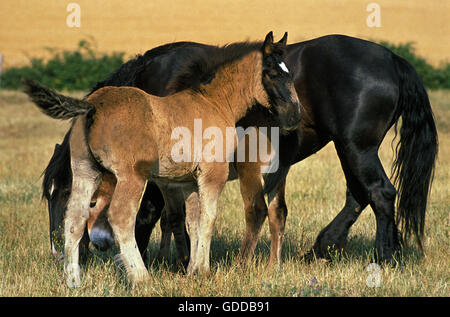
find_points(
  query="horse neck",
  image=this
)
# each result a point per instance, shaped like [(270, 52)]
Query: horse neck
[(236, 86)]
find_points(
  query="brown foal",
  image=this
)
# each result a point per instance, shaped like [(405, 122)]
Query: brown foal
[(127, 132)]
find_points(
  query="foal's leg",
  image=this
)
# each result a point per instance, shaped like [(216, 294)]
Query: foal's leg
[(334, 235), (254, 207), (211, 181), (85, 181), (277, 222), (369, 184), (122, 216), (192, 203)]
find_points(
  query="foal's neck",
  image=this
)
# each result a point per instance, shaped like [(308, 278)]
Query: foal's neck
[(237, 86)]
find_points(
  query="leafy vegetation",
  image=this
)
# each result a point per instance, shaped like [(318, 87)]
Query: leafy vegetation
[(432, 77), (82, 68)]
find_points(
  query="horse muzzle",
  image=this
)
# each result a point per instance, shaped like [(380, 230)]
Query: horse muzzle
[(101, 239)]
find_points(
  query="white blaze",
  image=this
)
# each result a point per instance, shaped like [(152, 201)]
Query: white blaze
[(283, 67)]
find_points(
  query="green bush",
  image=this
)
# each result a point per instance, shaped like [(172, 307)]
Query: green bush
[(83, 68), (71, 70), (432, 77)]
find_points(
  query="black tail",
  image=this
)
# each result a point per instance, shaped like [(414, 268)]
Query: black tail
[(416, 152), (53, 104)]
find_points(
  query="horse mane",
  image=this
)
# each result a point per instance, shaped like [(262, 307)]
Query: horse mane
[(201, 68), (127, 74)]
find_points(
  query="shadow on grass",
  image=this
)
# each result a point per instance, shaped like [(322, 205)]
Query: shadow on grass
[(361, 248), (225, 250)]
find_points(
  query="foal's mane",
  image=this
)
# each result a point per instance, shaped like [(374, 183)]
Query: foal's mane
[(201, 68)]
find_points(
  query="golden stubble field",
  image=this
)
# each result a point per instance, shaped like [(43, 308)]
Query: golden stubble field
[(315, 188), (29, 26), (315, 194)]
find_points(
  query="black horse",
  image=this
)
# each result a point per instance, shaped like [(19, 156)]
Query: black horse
[(352, 92)]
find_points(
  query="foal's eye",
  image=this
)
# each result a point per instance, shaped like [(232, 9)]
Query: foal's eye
[(273, 74)]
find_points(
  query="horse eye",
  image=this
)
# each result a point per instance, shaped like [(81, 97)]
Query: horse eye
[(274, 74)]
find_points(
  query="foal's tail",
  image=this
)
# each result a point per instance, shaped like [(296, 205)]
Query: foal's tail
[(416, 152), (53, 104)]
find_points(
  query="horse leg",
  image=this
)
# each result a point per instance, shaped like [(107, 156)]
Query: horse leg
[(254, 207), (211, 181), (166, 235), (178, 227), (85, 181), (149, 213), (122, 216), (334, 236), (192, 203), (369, 184), (173, 221), (277, 222)]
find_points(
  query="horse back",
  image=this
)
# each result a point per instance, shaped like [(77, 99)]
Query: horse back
[(341, 81), (120, 128)]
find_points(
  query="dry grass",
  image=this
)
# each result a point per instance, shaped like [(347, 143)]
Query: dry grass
[(28, 26), (315, 193)]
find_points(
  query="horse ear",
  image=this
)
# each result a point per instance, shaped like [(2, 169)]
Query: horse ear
[(283, 41), (268, 44)]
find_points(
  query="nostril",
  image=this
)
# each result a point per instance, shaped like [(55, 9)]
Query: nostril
[(101, 238)]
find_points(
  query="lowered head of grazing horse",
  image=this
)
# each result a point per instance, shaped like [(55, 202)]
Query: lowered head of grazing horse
[(130, 133)]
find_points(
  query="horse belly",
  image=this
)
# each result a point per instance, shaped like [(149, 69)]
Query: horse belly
[(166, 170)]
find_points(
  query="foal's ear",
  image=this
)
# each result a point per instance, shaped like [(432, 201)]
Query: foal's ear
[(268, 44), (283, 41)]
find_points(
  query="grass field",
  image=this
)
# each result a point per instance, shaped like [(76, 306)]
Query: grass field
[(315, 193), (27, 27)]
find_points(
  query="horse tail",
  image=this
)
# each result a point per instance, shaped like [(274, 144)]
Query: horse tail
[(415, 153), (53, 104)]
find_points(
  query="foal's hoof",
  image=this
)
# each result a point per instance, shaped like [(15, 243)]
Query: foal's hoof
[(198, 270), (136, 276), (73, 275)]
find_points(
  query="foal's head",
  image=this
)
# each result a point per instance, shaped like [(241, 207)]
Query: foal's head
[(278, 83)]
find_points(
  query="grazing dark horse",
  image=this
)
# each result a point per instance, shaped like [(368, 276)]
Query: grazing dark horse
[(352, 92), (129, 133)]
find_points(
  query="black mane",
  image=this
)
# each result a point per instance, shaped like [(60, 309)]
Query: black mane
[(191, 68), (201, 68), (128, 73)]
